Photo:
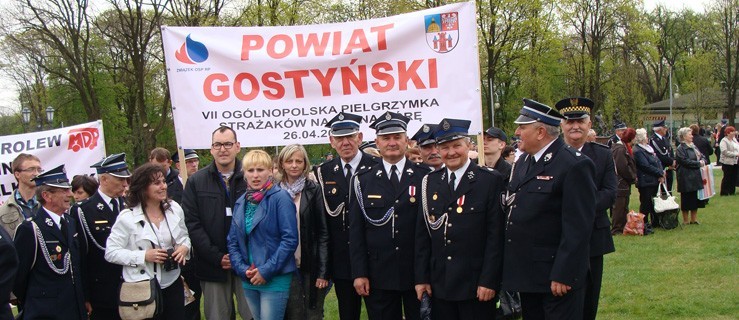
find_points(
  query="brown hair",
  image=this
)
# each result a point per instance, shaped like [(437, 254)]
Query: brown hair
[(159, 154), (85, 182), (628, 135), (412, 151), (695, 128), (223, 129), (16, 165), (142, 177), (728, 130)]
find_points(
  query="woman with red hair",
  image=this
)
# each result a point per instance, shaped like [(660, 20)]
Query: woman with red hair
[(729, 152), (623, 157)]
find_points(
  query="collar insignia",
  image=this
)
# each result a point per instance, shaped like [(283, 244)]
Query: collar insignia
[(409, 171), (547, 157), (443, 176), (100, 206), (336, 168), (578, 153), (470, 175), (49, 222), (379, 173), (362, 167)]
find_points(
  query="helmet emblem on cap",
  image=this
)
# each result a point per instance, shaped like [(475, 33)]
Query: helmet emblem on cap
[(426, 129), (573, 102), (388, 116), (446, 125), (64, 170), (341, 116)]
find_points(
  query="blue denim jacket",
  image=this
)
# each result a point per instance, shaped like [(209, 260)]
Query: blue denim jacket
[(272, 239)]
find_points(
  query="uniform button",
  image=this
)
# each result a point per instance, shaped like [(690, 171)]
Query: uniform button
[(539, 188), (142, 272), (396, 215), (509, 240), (450, 209), (397, 248), (449, 258), (449, 241), (397, 201), (472, 209), (449, 225), (514, 205)]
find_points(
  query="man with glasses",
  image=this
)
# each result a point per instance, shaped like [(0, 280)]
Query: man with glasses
[(96, 216), (22, 203), (208, 201)]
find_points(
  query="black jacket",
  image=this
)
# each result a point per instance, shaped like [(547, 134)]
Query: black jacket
[(174, 185), (8, 268), (663, 148), (688, 169), (648, 168), (703, 145), (204, 201), (313, 236), (601, 241)]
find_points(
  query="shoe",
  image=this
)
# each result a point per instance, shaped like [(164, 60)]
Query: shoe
[(695, 222), (648, 232)]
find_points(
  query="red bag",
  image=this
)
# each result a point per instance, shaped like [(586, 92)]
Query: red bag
[(634, 224)]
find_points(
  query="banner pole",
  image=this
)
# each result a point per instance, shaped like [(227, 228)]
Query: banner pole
[(480, 149), (183, 165)]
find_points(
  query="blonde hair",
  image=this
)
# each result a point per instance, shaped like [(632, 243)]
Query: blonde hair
[(289, 151), (256, 158), (641, 136), (683, 132)]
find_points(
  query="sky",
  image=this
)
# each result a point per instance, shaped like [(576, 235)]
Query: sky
[(9, 102)]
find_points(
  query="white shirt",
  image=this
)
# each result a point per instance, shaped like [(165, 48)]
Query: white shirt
[(458, 173), (354, 163), (56, 217), (107, 199), (399, 166), (540, 153)]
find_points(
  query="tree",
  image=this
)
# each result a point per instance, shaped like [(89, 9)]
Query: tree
[(725, 38)]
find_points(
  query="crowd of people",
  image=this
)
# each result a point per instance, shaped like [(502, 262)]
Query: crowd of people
[(423, 221)]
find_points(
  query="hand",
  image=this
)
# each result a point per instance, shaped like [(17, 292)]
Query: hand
[(661, 179), (180, 254), (703, 163), (88, 307), (421, 288), (362, 286), (255, 277), (485, 294), (321, 283), (155, 255), (225, 262), (559, 289)]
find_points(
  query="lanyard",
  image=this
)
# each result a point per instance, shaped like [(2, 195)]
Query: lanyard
[(225, 187)]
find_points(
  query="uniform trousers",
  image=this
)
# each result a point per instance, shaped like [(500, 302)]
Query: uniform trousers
[(350, 303), (592, 288), (101, 313), (541, 306), (646, 203), (218, 299), (472, 309), (390, 304)]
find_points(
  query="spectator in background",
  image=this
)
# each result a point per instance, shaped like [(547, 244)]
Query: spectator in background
[(263, 238), (689, 181), (310, 286), (703, 145), (649, 173), (192, 161), (592, 135), (729, 153), (494, 141), (623, 157), (162, 157), (83, 186), (508, 154), (22, 203), (414, 155)]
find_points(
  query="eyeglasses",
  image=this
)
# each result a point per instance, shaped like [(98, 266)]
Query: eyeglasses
[(32, 170), (218, 145)]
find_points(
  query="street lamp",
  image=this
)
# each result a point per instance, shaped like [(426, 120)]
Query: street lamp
[(494, 104), (50, 116), (26, 113)]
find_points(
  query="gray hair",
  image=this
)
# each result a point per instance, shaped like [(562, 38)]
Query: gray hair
[(682, 132), (641, 136), (552, 131)]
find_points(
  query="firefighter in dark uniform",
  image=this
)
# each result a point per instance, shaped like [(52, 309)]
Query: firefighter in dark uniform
[(663, 148), (333, 176), (49, 283), (383, 221), (459, 232), (8, 268), (618, 130), (550, 215), (575, 128), (426, 142), (96, 216)]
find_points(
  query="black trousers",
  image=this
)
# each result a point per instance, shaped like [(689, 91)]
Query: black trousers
[(104, 313), (462, 310), (174, 302), (541, 306), (192, 310), (592, 288), (390, 304), (670, 175), (350, 303), (646, 202), (728, 182)]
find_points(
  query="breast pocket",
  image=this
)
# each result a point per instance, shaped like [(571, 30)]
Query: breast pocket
[(374, 201), (330, 189)]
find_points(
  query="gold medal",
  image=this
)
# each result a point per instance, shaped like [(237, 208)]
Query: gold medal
[(58, 249), (435, 196), (459, 209), (333, 191), (413, 199)]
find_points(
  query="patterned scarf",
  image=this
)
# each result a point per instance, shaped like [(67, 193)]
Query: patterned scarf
[(255, 196), (294, 188)]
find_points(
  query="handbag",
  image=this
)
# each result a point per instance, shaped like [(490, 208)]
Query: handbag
[(664, 201), (510, 305), (140, 300), (634, 224)]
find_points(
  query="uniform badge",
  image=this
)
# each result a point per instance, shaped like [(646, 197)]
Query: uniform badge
[(100, 206), (445, 125), (409, 171), (460, 203), (49, 222), (388, 116), (578, 154), (412, 194), (426, 128), (341, 116), (333, 191), (58, 249), (379, 173), (336, 168), (547, 157), (470, 175), (435, 196), (544, 178)]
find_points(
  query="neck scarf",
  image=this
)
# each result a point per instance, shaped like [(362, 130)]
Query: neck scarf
[(255, 196), (294, 188), (647, 147)]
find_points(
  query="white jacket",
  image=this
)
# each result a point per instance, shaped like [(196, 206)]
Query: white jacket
[(129, 240), (729, 151)]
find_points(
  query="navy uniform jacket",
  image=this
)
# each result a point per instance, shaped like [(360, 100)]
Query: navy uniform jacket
[(330, 175), (384, 254), (8, 268), (43, 293), (174, 185), (467, 251), (612, 140), (663, 148), (549, 221), (101, 278), (601, 241)]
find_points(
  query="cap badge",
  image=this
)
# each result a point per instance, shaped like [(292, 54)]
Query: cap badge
[(547, 157), (445, 125), (100, 206), (388, 116), (573, 102), (49, 222), (341, 116), (426, 129)]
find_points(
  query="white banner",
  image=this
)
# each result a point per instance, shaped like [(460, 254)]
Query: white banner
[(76, 147), (280, 85)]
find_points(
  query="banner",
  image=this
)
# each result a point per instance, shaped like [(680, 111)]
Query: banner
[(280, 85), (76, 147)]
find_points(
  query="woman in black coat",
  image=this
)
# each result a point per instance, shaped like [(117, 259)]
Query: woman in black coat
[(689, 181), (307, 292), (649, 173)]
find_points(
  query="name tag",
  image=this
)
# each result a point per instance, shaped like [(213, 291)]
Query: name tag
[(101, 221), (329, 182), (229, 213), (374, 196), (544, 177)]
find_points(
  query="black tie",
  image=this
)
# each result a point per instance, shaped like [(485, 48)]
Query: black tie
[(530, 163), (452, 177), (394, 177), (64, 227), (114, 205), (348, 177)]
